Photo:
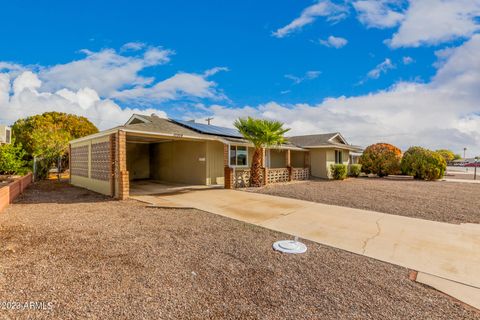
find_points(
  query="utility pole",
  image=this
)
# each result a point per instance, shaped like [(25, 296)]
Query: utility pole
[(208, 120), (464, 153), (475, 169)]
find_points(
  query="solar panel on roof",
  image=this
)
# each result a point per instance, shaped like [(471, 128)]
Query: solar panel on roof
[(209, 129)]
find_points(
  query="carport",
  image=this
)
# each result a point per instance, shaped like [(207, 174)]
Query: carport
[(168, 164)]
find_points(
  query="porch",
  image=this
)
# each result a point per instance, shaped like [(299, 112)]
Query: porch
[(278, 165)]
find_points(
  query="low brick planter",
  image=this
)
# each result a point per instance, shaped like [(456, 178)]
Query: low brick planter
[(12, 190)]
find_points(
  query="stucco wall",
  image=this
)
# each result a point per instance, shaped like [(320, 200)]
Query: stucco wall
[(179, 161), (278, 158), (99, 186), (297, 159), (318, 158), (138, 160), (321, 159), (215, 167)]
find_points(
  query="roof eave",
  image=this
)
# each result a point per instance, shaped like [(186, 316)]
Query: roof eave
[(334, 146)]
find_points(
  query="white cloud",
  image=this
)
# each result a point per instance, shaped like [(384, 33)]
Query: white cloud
[(323, 8), (10, 67), (105, 71), (133, 46), (443, 113), (179, 86), (213, 71), (309, 75), (378, 13), (431, 22), (92, 85), (26, 80), (407, 60), (380, 68), (334, 42), (26, 100)]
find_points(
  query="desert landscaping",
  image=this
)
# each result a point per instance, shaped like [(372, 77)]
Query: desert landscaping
[(82, 252), (432, 200)]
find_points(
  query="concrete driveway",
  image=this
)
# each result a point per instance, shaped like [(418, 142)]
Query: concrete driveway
[(447, 256)]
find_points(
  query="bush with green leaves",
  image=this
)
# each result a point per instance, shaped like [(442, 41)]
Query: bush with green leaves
[(381, 159), (448, 155), (338, 171), (354, 170), (12, 159), (423, 164), (46, 137)]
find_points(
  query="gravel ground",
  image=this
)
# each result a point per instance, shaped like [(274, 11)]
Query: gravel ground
[(462, 176), (432, 200), (95, 258)]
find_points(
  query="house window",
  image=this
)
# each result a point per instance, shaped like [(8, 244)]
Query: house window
[(238, 156), (7, 135), (338, 157)]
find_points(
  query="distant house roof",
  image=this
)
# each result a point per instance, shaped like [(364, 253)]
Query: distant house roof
[(324, 140)]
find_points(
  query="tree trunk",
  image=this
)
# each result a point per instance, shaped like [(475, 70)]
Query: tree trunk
[(256, 169)]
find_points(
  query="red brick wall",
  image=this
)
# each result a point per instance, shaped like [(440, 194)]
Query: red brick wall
[(124, 183), (13, 190)]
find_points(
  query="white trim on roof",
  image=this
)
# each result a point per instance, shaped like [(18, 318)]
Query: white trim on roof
[(338, 134), (95, 135), (137, 117)]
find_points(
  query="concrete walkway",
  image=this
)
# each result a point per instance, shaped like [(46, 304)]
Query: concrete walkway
[(461, 180), (445, 251)]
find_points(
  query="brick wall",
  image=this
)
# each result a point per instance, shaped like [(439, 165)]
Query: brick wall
[(228, 178), (11, 191), (122, 173)]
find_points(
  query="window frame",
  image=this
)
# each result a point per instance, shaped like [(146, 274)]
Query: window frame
[(236, 156), (338, 157)]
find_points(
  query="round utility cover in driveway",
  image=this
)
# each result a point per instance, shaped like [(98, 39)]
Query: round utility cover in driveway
[(290, 246)]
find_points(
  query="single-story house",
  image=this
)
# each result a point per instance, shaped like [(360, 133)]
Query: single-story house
[(185, 152)]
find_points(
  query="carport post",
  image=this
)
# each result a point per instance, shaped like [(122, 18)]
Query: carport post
[(228, 172), (123, 181)]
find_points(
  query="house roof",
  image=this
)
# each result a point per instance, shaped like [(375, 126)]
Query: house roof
[(154, 124), (161, 126), (313, 139), (324, 140)]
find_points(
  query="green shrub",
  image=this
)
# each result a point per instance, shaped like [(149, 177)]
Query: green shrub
[(423, 164), (354, 170), (11, 159), (381, 159), (448, 155), (338, 171)]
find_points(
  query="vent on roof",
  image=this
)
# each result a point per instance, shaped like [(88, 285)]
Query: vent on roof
[(209, 129)]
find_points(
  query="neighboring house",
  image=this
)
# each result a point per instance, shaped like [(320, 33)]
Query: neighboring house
[(461, 162), (5, 134), (150, 147)]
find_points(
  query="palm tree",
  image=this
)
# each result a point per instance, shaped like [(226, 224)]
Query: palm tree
[(262, 134)]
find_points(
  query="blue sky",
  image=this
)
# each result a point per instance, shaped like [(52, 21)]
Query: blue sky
[(261, 58)]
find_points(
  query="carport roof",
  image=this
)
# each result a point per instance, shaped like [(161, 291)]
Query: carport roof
[(155, 124)]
